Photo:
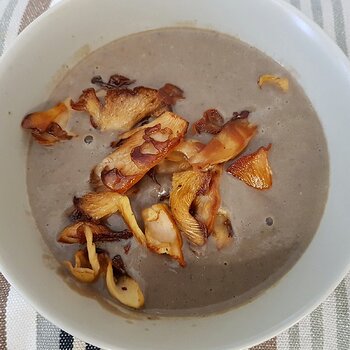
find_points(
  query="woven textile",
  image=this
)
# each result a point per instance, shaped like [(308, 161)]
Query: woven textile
[(328, 327)]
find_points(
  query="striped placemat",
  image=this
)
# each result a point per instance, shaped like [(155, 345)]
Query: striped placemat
[(328, 327)]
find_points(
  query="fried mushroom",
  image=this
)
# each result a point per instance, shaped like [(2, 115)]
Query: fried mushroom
[(87, 264), (177, 160), (282, 83), (206, 205), (101, 205), (254, 169), (74, 233), (185, 188), (123, 108), (162, 234), (222, 231), (139, 153), (227, 144), (48, 127), (122, 287)]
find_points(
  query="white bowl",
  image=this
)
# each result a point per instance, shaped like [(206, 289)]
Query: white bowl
[(28, 73)]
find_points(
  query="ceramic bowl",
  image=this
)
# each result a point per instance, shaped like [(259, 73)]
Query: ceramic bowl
[(40, 57)]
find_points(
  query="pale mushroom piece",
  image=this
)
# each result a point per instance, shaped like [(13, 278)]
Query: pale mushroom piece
[(222, 231), (125, 289), (162, 234), (207, 203), (74, 233), (81, 270), (102, 205), (185, 188), (186, 149), (49, 127), (178, 159), (87, 265), (143, 150), (227, 144)]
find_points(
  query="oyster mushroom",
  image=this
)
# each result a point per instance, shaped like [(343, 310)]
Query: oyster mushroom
[(185, 188), (282, 83), (122, 287), (227, 144), (162, 234), (48, 127), (222, 231), (177, 160), (207, 202), (139, 153), (87, 264), (123, 107), (101, 205), (74, 233), (254, 169)]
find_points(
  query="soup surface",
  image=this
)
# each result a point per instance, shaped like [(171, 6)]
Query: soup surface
[(272, 228)]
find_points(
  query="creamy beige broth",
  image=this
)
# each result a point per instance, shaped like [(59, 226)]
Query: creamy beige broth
[(215, 71)]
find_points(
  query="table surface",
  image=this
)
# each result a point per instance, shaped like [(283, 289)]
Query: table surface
[(327, 327)]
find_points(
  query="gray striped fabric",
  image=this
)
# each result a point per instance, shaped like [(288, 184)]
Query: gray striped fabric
[(48, 336), (327, 327), (5, 21)]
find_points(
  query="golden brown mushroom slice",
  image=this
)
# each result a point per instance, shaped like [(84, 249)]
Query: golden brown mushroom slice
[(74, 233), (282, 83), (177, 160), (101, 205), (227, 144), (254, 169), (185, 188), (48, 127), (123, 107), (162, 234), (87, 264), (222, 231), (207, 202), (122, 287), (139, 153)]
